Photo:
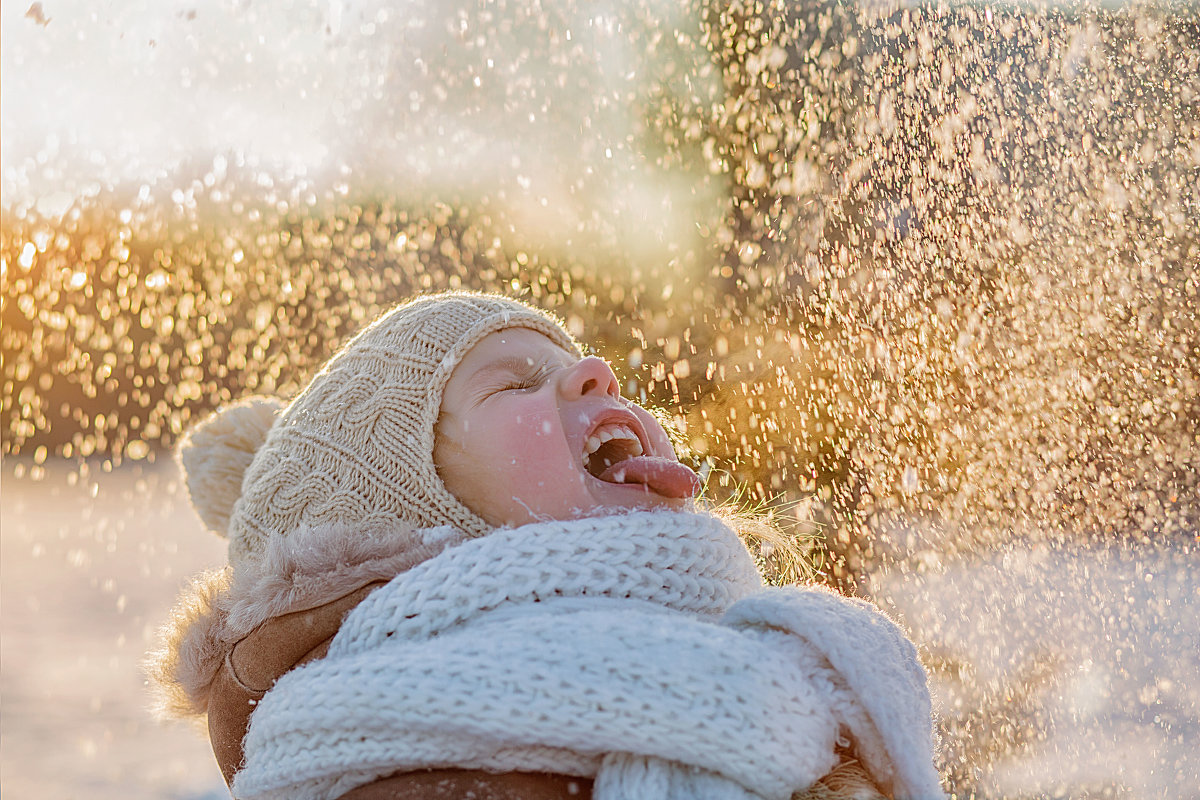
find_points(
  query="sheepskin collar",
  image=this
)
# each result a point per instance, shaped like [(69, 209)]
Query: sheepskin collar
[(308, 568)]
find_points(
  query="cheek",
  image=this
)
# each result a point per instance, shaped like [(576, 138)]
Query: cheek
[(538, 440), (534, 441), (537, 478)]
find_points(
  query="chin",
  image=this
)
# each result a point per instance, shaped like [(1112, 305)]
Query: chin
[(635, 500)]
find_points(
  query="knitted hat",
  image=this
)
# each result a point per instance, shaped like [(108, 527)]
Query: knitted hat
[(356, 446)]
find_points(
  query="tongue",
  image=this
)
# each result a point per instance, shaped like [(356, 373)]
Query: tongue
[(663, 476)]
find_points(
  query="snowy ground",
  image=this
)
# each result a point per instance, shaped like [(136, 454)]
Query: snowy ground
[(84, 583), (1083, 664), (1100, 649)]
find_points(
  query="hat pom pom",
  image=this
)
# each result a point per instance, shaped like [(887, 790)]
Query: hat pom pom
[(216, 453)]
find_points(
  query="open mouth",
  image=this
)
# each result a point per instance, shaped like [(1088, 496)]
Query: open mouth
[(610, 444), (614, 453)]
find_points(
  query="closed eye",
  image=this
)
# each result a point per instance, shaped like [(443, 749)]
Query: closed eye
[(529, 382)]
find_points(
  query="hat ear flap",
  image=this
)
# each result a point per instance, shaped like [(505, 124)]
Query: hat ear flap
[(216, 453)]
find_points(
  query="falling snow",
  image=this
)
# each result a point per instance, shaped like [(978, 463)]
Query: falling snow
[(921, 279)]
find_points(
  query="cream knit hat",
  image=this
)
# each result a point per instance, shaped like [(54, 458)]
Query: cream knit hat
[(356, 446)]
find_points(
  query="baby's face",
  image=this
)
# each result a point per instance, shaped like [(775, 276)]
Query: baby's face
[(530, 432)]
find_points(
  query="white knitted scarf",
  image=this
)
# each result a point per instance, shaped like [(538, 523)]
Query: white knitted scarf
[(639, 649)]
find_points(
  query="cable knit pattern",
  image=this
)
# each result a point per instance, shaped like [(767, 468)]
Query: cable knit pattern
[(597, 647), (357, 444)]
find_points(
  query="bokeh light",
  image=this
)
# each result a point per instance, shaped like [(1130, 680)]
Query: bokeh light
[(924, 278)]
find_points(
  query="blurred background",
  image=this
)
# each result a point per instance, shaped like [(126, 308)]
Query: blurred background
[(920, 281)]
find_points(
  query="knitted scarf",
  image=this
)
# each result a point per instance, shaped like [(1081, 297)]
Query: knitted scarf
[(639, 649)]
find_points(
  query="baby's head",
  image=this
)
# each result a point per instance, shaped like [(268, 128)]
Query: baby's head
[(459, 409), (529, 430)]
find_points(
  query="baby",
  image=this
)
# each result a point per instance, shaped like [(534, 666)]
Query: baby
[(464, 566)]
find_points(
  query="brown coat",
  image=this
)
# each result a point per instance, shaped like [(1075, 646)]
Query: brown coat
[(288, 641), (285, 642), (231, 639)]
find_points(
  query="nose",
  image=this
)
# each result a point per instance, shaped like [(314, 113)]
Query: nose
[(589, 377)]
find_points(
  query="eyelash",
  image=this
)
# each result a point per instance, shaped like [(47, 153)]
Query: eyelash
[(531, 382)]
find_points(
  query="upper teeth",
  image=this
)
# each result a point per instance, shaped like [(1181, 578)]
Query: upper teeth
[(608, 432)]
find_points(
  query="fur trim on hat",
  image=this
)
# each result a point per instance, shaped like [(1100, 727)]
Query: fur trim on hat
[(308, 568), (190, 648)]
